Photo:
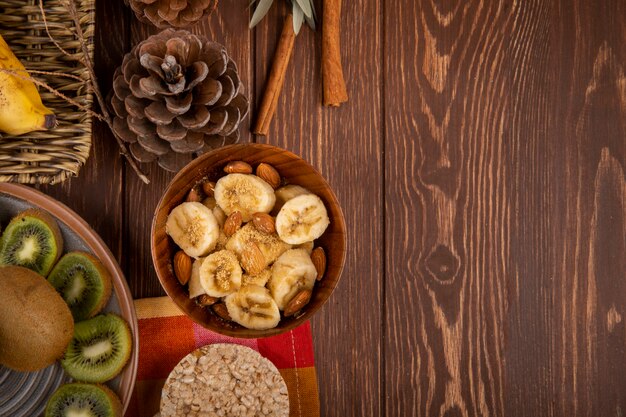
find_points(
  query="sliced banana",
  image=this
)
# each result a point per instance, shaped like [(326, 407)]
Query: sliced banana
[(222, 240), (193, 228), (220, 216), (270, 245), (220, 274), (302, 219), (292, 272), (259, 279), (195, 286), (253, 307), (286, 193), (247, 194), (307, 246)]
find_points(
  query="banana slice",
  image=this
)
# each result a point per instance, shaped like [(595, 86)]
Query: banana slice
[(286, 193), (292, 272), (247, 194), (220, 216), (259, 279), (193, 228), (270, 245), (253, 307), (302, 219), (195, 286), (220, 274), (307, 246), (222, 240)]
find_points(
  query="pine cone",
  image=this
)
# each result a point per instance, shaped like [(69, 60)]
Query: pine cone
[(177, 95), (177, 13)]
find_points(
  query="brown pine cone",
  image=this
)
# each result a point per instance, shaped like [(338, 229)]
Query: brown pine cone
[(177, 13), (177, 95)]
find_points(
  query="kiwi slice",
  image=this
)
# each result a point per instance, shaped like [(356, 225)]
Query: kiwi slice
[(99, 350), (83, 400), (83, 282), (33, 240)]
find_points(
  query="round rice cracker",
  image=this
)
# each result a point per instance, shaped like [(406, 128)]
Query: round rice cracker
[(232, 379)]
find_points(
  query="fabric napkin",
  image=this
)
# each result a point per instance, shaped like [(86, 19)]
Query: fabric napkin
[(166, 335)]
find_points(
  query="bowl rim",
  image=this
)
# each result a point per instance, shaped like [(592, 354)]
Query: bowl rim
[(196, 164), (95, 243)]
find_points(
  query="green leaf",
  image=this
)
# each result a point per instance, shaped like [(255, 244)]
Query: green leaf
[(298, 18), (259, 13)]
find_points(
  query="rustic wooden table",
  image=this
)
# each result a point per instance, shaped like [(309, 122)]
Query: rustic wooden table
[(480, 164)]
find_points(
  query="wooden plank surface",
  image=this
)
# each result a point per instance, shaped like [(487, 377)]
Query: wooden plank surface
[(480, 166), (505, 241), (446, 212)]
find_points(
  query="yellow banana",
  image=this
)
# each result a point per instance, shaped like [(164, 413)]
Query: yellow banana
[(21, 109)]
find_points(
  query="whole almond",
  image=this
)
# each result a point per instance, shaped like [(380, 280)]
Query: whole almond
[(209, 203), (233, 223), (238, 167), (252, 259), (182, 267), (206, 300), (268, 174), (209, 188), (318, 256), (221, 311), (264, 222), (297, 303), (194, 196)]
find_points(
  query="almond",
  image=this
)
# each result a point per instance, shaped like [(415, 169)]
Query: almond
[(297, 303), (209, 188), (252, 259), (194, 196), (318, 256), (206, 300), (209, 203), (182, 267), (264, 223), (238, 167), (268, 174), (221, 311), (233, 223)]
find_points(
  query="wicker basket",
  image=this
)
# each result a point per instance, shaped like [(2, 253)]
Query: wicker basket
[(49, 157)]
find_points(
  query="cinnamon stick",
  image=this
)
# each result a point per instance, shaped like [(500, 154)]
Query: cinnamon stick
[(276, 78), (334, 84)]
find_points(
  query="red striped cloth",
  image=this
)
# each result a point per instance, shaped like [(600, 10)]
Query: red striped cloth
[(166, 336)]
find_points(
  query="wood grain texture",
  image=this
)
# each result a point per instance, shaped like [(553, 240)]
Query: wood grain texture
[(584, 211), (509, 233), (345, 145), (446, 212)]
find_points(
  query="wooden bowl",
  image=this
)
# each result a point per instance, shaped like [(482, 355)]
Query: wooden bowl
[(296, 171)]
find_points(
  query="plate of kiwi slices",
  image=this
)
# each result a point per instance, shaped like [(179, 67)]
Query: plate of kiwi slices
[(84, 360)]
